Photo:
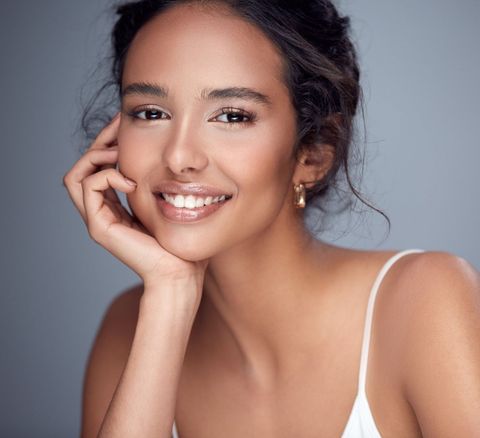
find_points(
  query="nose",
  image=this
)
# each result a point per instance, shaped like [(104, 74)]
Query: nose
[(183, 153)]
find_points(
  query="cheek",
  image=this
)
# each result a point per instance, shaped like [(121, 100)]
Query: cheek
[(134, 152), (262, 175), (265, 164), (263, 172), (135, 162)]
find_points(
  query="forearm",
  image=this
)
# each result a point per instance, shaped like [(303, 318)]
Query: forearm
[(144, 401)]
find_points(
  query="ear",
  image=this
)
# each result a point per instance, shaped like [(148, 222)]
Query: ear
[(313, 163)]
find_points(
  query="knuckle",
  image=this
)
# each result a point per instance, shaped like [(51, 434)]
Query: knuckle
[(109, 174), (86, 182), (91, 151), (94, 146), (93, 232), (112, 172), (66, 179)]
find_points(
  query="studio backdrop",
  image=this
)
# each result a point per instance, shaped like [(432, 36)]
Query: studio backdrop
[(420, 68)]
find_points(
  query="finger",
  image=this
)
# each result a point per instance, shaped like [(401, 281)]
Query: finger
[(112, 196), (93, 196), (88, 164), (108, 165), (119, 213), (114, 202), (108, 135)]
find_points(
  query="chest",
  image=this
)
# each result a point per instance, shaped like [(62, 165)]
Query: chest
[(311, 401), (217, 403), (314, 398)]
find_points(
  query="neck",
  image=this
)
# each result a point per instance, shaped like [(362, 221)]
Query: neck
[(259, 296)]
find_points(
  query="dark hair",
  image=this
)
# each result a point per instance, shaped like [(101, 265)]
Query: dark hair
[(320, 70)]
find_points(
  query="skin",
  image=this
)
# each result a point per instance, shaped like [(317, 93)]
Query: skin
[(277, 338), (259, 231)]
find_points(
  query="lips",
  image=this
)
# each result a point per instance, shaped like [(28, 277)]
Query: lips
[(189, 202), (185, 215)]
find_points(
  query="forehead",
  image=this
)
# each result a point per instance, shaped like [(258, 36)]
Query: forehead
[(205, 47)]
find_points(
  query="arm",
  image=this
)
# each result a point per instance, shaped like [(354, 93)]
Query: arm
[(143, 402), (137, 398), (107, 359), (442, 351)]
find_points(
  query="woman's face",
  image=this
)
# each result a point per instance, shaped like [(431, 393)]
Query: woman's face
[(169, 131)]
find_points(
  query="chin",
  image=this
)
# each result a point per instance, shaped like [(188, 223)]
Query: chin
[(189, 250)]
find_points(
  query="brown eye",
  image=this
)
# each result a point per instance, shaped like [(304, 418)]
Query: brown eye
[(148, 114), (234, 116)]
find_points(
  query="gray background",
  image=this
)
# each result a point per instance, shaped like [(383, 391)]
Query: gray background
[(421, 66)]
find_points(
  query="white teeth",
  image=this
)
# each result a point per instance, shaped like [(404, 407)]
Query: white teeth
[(179, 201), (191, 201)]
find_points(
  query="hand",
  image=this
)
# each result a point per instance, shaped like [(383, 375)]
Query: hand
[(91, 185)]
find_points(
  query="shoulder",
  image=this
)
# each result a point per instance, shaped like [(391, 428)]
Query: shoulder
[(434, 285), (434, 268), (437, 297), (119, 320), (108, 356)]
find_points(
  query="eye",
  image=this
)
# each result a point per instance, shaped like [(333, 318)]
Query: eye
[(147, 114), (233, 116)]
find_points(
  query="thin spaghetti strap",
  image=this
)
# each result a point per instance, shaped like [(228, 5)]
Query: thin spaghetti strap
[(369, 314), (174, 430)]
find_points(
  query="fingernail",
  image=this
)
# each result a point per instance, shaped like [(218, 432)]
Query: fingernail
[(130, 182)]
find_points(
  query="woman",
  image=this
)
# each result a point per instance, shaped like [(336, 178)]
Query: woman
[(233, 116)]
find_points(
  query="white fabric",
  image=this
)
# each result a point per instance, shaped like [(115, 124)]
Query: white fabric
[(360, 423)]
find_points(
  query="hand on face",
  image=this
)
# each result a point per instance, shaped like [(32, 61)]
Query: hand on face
[(91, 184)]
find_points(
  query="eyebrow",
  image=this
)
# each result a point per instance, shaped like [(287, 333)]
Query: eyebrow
[(245, 93)]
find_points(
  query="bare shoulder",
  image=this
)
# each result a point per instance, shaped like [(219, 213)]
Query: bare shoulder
[(436, 299), (108, 356), (420, 285), (436, 268)]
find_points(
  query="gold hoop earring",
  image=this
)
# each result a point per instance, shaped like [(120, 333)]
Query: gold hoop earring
[(300, 194)]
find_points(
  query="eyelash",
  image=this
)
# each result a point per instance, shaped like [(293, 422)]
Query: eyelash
[(227, 110)]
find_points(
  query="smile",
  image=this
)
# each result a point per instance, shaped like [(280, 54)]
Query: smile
[(192, 202), (184, 209)]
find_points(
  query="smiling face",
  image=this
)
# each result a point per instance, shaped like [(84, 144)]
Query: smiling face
[(239, 141)]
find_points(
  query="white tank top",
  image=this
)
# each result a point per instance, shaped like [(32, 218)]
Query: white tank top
[(360, 423)]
